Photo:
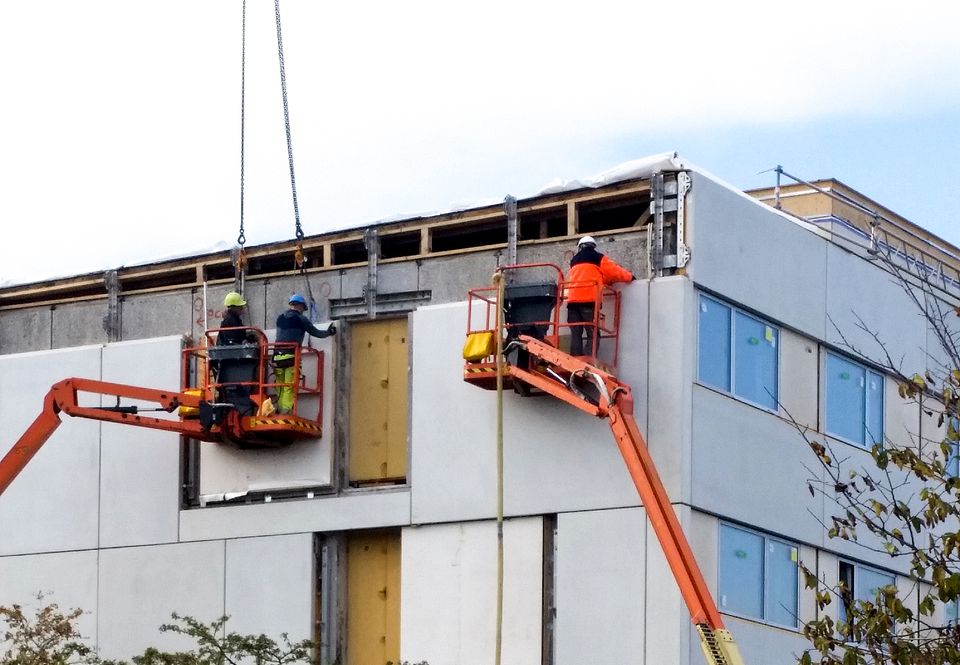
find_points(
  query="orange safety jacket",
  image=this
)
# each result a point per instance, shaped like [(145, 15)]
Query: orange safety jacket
[(589, 272)]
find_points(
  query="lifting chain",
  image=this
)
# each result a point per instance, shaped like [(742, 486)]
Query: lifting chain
[(240, 265), (298, 257)]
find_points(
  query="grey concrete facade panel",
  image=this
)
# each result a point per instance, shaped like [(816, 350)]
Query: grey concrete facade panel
[(26, 330), (186, 578), (867, 548), (448, 587), (78, 324), (749, 253), (363, 509), (53, 503), (225, 468), (672, 338), (549, 446), (68, 579), (758, 643), (269, 586), (209, 308), (800, 377), (139, 468), (450, 278), (667, 617), (397, 277), (747, 461), (600, 600), (156, 315), (857, 289), (277, 292)]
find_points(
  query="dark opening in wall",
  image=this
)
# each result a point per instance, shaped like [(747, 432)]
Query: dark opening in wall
[(348, 251), (273, 263), (397, 245), (219, 271), (543, 224), (465, 236), (179, 277), (609, 215), (71, 293)]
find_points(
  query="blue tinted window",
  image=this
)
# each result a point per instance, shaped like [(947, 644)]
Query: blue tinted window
[(741, 572), (951, 611), (874, 433), (737, 353), (854, 401), (780, 590), (714, 343), (755, 353), (867, 582), (863, 582), (758, 576)]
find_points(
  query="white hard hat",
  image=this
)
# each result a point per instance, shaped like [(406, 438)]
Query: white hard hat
[(586, 240)]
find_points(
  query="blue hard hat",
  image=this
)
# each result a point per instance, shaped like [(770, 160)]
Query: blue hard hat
[(297, 298)]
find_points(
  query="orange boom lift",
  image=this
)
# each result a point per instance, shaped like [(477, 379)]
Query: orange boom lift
[(223, 393), (537, 365)]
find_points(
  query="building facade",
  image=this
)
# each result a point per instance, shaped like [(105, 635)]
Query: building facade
[(378, 540)]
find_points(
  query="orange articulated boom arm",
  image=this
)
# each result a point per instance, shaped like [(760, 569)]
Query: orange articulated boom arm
[(30, 442), (598, 393), (62, 398)]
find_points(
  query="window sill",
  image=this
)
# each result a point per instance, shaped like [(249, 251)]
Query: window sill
[(794, 630), (738, 398)]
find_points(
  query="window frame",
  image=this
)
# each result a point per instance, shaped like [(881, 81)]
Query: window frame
[(951, 607), (951, 465), (841, 609), (868, 370), (764, 586), (731, 392)]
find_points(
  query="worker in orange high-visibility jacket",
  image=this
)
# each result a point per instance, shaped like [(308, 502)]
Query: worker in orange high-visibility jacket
[(589, 272)]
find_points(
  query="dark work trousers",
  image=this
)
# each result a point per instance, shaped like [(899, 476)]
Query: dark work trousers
[(581, 312)]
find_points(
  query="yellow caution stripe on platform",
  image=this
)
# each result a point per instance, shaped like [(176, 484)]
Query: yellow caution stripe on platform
[(285, 422), (480, 370)]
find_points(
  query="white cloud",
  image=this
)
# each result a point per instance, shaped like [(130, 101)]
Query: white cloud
[(120, 123)]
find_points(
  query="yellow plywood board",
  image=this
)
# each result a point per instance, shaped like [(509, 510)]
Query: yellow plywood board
[(369, 383), (378, 400), (397, 399), (373, 598)]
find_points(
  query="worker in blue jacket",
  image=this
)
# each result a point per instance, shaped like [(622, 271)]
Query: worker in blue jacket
[(292, 327)]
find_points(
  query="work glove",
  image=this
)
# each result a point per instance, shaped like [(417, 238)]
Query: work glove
[(332, 329)]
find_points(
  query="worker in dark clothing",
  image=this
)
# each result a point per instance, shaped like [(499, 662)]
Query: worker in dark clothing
[(589, 272), (235, 375), (292, 328), (234, 304)]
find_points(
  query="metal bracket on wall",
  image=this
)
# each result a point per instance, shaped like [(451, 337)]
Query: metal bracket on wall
[(331, 595), (667, 195), (386, 303), (111, 322), (655, 229), (372, 242), (510, 208), (684, 183)]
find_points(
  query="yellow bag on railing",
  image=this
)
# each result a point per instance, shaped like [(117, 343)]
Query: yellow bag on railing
[(190, 411), (479, 345)]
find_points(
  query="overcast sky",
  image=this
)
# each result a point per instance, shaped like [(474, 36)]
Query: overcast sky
[(120, 119)]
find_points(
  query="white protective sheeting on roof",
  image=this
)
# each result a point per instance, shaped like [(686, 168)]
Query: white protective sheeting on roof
[(635, 168)]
